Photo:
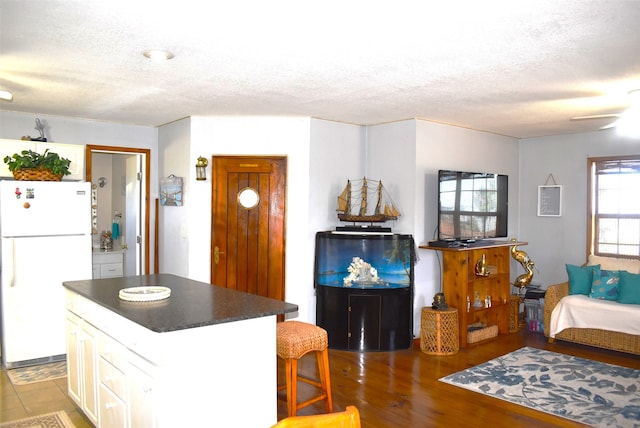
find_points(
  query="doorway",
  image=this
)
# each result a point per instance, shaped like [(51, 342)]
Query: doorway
[(248, 224), (131, 179)]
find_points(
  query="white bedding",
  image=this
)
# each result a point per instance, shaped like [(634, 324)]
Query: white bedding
[(579, 311)]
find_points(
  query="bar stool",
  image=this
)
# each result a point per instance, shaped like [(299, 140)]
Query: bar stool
[(294, 340)]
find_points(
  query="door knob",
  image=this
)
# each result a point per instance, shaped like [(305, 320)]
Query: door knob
[(216, 254)]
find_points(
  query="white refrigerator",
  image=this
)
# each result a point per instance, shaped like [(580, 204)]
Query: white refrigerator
[(46, 239)]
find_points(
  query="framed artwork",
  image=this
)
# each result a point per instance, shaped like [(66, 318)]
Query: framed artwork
[(171, 191), (550, 200)]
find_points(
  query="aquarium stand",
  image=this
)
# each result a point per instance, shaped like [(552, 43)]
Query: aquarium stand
[(370, 314)]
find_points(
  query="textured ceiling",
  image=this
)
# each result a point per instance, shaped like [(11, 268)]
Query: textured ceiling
[(517, 68)]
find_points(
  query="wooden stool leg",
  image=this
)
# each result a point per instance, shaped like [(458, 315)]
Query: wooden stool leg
[(291, 369), (325, 377)]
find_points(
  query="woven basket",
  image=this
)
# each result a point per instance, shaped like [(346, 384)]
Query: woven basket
[(482, 334), (36, 174)]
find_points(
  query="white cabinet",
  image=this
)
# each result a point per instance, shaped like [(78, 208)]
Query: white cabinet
[(141, 381), (81, 361), (113, 389), (176, 378), (8, 148), (74, 152), (108, 264)]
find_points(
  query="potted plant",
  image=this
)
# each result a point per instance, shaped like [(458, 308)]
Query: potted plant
[(30, 165)]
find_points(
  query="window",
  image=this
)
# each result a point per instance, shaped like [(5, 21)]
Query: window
[(614, 206)]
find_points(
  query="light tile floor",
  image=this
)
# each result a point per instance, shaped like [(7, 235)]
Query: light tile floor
[(21, 401)]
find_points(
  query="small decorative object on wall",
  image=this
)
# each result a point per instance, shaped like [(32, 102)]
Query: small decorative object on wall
[(201, 168), (522, 281), (171, 191), (550, 199)]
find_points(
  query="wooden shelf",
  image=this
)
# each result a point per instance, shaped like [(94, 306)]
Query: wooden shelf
[(460, 284)]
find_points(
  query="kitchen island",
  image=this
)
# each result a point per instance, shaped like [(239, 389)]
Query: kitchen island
[(204, 356)]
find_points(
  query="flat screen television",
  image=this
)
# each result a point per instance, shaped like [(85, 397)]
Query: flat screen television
[(472, 205)]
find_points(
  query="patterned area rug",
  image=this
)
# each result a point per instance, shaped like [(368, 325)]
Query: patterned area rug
[(589, 392), (24, 375), (50, 420)]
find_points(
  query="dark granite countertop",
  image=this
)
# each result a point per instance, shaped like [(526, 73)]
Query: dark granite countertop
[(191, 304)]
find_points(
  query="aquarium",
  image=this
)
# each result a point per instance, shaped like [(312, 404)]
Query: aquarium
[(364, 260)]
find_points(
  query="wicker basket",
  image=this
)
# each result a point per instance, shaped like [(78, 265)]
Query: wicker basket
[(439, 331), (36, 174), (488, 332)]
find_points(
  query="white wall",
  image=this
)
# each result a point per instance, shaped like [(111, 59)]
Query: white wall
[(335, 156), (555, 241), (174, 141), (391, 157)]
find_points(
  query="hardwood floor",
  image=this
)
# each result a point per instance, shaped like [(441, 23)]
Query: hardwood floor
[(390, 389), (401, 388)]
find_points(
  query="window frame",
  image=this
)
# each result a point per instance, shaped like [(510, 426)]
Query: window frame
[(592, 236)]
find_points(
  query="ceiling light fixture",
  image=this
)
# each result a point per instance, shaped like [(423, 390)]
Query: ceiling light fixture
[(158, 54), (6, 95)]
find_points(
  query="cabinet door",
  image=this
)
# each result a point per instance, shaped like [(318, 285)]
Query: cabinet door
[(112, 409), (364, 322), (89, 376), (331, 314), (8, 148), (141, 385), (396, 328), (74, 152), (73, 359)]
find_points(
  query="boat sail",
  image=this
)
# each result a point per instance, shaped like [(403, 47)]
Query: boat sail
[(355, 199)]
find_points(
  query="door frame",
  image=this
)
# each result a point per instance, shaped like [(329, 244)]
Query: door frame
[(90, 149)]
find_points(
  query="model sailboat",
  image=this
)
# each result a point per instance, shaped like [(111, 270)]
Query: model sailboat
[(355, 199)]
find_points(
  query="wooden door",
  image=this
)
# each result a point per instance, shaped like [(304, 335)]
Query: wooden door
[(247, 242)]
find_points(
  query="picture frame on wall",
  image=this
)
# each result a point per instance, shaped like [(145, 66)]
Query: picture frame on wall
[(171, 191), (550, 201)]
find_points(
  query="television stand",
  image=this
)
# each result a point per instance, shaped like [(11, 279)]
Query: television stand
[(461, 286)]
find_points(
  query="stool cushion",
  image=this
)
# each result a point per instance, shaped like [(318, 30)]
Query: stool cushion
[(295, 338)]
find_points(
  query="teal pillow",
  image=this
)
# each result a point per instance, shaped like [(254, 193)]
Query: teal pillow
[(605, 284), (629, 288), (580, 279)]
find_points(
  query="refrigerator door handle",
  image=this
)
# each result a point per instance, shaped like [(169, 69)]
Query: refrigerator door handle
[(12, 260)]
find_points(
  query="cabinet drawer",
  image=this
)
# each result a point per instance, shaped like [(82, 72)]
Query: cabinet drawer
[(112, 378), (112, 351), (109, 270), (102, 258), (112, 409)]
